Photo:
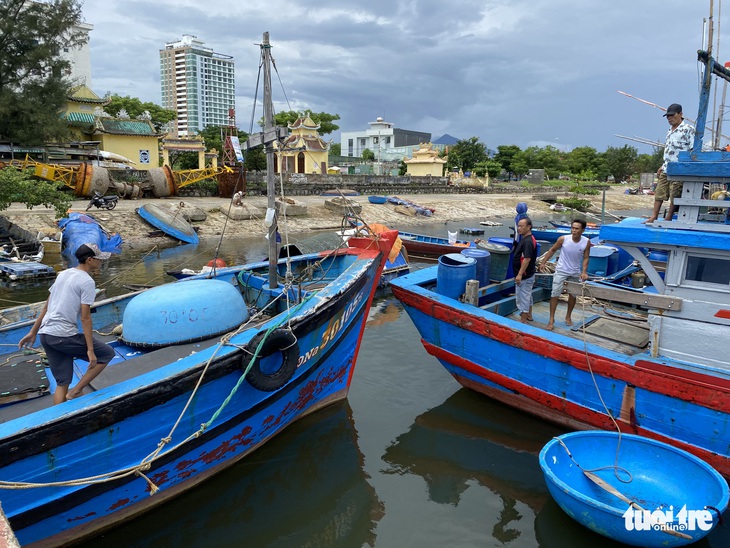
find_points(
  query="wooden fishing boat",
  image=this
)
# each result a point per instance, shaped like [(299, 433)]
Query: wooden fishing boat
[(17, 244), (632, 489), (431, 246), (171, 222), (206, 371), (657, 366)]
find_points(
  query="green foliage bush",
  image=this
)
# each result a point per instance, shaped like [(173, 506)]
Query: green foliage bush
[(576, 203)]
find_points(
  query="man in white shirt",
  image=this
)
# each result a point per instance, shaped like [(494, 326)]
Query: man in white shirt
[(72, 295), (572, 265)]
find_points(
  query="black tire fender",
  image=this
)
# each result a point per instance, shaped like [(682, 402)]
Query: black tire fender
[(280, 341)]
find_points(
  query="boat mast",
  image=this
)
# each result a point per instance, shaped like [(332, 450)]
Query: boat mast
[(270, 177)]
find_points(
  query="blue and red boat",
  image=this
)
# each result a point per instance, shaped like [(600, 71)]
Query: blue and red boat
[(207, 369), (652, 364)]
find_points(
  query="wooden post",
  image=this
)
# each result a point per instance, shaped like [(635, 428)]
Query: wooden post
[(472, 292)]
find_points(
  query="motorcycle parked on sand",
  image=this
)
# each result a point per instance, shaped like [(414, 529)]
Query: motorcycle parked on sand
[(103, 202)]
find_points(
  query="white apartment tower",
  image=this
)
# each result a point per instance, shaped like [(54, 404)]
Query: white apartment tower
[(198, 84)]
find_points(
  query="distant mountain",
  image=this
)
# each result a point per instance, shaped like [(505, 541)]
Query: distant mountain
[(445, 139)]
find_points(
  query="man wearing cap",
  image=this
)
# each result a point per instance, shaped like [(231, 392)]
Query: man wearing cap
[(679, 137), (71, 297)]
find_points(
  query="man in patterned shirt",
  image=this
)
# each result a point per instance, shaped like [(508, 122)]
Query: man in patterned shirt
[(679, 137)]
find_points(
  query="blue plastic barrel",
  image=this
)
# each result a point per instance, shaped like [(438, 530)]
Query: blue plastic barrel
[(453, 272), (599, 259), (658, 255), (507, 242), (483, 260), (499, 259)]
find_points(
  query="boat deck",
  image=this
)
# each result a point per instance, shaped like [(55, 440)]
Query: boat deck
[(619, 330), (27, 383)]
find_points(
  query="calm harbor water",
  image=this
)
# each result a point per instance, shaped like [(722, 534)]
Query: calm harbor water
[(411, 459)]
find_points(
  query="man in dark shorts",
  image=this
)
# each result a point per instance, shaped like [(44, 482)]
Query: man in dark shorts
[(72, 295), (523, 263)]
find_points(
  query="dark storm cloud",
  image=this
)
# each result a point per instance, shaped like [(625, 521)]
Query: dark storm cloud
[(508, 72)]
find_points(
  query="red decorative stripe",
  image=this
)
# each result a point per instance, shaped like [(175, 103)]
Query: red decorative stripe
[(724, 314), (694, 387), (562, 409)]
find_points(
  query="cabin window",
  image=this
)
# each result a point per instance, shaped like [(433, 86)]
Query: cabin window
[(708, 269)]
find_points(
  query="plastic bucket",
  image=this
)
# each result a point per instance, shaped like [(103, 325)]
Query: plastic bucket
[(453, 272), (499, 259), (508, 243), (483, 259)]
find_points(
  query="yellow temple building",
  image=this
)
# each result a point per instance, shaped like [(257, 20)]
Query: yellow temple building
[(425, 161), (304, 151), (136, 140)]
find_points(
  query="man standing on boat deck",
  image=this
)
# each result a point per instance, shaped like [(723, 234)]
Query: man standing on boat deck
[(679, 137), (575, 252), (523, 263), (72, 295)]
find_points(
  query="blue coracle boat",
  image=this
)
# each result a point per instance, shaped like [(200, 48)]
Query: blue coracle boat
[(633, 489), (655, 363), (171, 223)]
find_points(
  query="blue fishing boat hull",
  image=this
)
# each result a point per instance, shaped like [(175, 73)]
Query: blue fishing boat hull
[(559, 378), (140, 432), (168, 222), (377, 199), (685, 492), (431, 246)]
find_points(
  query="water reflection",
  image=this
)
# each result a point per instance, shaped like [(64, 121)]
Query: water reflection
[(306, 487)]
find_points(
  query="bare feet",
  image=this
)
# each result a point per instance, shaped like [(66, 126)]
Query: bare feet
[(649, 220), (523, 317), (529, 317), (568, 321), (550, 326)]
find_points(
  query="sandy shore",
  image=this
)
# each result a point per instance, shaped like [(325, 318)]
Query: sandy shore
[(449, 207)]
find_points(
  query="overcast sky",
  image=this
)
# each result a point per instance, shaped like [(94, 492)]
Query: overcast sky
[(523, 72)]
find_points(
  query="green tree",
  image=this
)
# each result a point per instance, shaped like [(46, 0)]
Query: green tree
[(494, 168), (134, 108), (505, 156), (582, 159), (336, 149), (22, 186), (324, 119), (649, 163), (34, 86), (368, 155), (466, 154), (402, 168), (620, 161)]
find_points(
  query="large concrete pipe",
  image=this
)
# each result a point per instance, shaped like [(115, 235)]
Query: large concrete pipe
[(91, 178), (162, 182)]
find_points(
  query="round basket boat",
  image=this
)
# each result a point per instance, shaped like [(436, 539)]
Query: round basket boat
[(377, 199), (182, 312), (664, 497)]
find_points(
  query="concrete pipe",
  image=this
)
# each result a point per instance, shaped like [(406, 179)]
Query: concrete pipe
[(90, 179), (162, 182)]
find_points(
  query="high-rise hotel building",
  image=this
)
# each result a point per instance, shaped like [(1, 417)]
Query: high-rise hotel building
[(198, 84)]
